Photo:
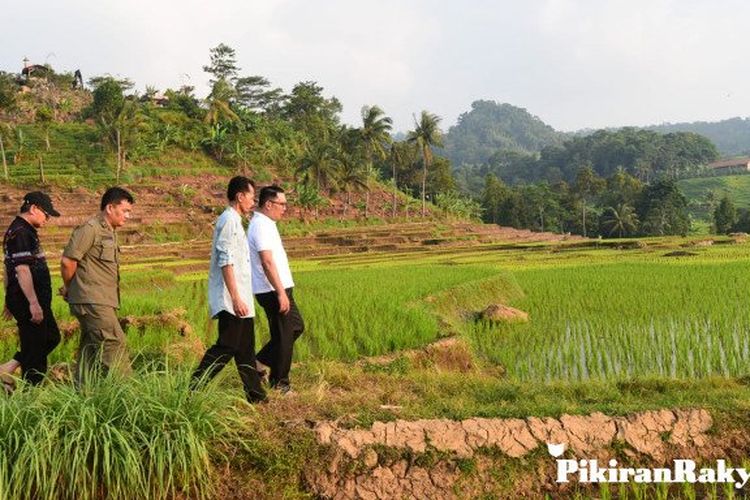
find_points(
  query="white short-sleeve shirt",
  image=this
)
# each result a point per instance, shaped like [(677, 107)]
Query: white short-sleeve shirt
[(229, 248), (262, 234)]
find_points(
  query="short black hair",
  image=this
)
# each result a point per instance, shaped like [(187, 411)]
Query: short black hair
[(238, 184), (114, 196), (268, 193)]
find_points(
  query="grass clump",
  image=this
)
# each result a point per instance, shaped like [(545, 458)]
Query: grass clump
[(143, 437)]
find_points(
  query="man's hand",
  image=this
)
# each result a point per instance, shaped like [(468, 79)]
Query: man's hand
[(240, 308), (7, 314), (283, 302), (36, 313)]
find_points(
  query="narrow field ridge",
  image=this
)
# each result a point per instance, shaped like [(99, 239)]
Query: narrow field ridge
[(362, 468)]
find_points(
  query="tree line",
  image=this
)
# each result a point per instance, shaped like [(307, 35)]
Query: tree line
[(619, 205), (247, 123), (644, 154)]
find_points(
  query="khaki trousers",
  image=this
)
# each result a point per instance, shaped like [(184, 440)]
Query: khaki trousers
[(102, 346)]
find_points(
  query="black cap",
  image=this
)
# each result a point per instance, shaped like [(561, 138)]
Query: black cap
[(42, 201)]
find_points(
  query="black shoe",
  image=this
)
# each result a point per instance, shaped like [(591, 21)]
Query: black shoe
[(255, 398)]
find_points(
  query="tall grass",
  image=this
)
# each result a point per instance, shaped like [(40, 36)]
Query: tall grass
[(143, 437)]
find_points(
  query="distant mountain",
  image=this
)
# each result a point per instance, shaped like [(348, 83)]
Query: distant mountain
[(490, 127), (731, 137)]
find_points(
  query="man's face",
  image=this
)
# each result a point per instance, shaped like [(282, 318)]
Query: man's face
[(276, 208), (246, 201), (37, 216), (118, 213)]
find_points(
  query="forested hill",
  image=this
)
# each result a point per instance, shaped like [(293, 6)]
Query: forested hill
[(731, 137), (490, 127)]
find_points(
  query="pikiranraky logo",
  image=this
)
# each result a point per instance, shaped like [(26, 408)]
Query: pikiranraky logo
[(682, 471)]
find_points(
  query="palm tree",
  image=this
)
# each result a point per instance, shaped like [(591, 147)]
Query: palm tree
[(621, 219), (120, 131), (426, 134), (219, 109), (352, 177), (395, 158), (319, 166), (375, 136)]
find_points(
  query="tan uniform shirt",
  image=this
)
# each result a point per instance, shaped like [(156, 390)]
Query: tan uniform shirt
[(97, 279)]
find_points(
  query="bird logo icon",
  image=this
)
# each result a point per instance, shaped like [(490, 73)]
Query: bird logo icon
[(556, 449)]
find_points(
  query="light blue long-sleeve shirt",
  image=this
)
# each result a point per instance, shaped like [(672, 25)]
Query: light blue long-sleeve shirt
[(229, 247)]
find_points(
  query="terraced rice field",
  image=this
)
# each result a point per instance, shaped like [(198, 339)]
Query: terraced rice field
[(614, 326), (603, 314)]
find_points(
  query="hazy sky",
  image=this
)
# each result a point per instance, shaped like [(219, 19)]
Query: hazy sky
[(574, 64)]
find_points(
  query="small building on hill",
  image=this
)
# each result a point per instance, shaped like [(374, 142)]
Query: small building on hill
[(732, 165)]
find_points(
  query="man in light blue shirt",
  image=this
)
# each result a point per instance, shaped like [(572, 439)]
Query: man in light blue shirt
[(230, 294)]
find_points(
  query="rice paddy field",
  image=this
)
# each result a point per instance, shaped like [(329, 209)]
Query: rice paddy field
[(613, 326), (596, 313)]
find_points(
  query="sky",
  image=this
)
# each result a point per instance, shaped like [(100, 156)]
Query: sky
[(574, 64)]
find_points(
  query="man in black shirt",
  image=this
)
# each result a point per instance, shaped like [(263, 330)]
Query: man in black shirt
[(28, 287)]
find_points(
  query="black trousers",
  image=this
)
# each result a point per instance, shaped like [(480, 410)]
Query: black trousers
[(285, 329), (37, 339), (236, 340)]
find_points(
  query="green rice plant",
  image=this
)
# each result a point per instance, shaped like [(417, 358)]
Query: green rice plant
[(621, 321)]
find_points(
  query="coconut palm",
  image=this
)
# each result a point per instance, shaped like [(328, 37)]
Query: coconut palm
[(218, 101), (425, 135), (319, 166), (401, 156), (375, 136), (621, 219), (352, 174), (352, 177)]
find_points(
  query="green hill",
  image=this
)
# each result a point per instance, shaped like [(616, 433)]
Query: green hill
[(490, 127), (76, 157), (731, 136), (700, 191)]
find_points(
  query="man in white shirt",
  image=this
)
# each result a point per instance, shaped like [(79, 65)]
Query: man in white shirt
[(273, 286), (230, 294)]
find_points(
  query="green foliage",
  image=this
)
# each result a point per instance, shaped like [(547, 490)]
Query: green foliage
[(494, 194), (662, 208), (309, 110), (125, 84), (620, 220), (8, 91), (491, 127), (108, 100), (255, 93), (684, 319), (223, 64), (145, 437), (641, 153), (731, 136), (618, 206), (705, 193), (185, 102), (425, 136), (458, 205), (725, 216), (309, 197)]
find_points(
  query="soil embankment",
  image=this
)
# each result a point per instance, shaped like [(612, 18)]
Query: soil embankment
[(464, 457)]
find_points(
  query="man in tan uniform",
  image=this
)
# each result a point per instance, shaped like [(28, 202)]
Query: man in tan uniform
[(91, 285)]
